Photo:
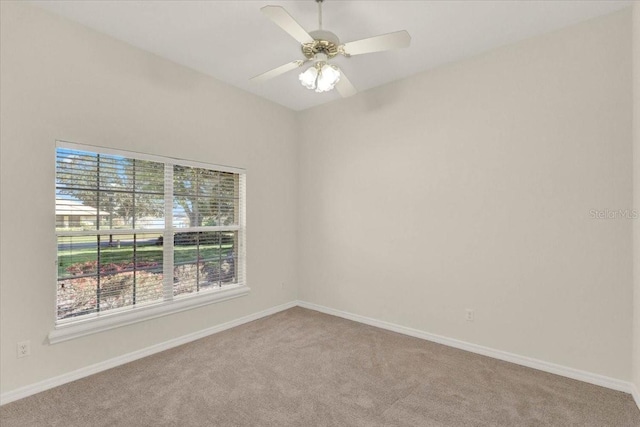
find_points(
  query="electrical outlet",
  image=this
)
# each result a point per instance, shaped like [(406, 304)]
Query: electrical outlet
[(469, 316), (24, 349)]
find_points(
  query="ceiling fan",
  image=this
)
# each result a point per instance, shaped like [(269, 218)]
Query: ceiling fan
[(320, 46)]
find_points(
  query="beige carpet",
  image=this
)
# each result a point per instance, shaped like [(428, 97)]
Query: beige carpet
[(303, 368)]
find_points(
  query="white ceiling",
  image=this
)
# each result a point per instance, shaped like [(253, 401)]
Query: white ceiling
[(232, 41)]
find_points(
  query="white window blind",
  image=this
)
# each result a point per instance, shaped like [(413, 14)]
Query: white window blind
[(135, 231)]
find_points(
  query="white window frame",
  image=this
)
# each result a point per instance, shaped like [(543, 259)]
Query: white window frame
[(85, 325)]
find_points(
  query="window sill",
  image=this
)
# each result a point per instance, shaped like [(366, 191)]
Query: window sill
[(109, 321)]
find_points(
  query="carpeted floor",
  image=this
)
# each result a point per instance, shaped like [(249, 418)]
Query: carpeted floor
[(303, 368)]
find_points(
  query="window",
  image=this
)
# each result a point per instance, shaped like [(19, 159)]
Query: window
[(140, 236)]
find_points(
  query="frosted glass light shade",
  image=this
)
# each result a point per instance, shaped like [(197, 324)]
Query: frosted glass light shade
[(308, 78), (327, 79)]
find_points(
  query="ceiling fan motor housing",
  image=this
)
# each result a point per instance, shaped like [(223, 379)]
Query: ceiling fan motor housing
[(323, 42)]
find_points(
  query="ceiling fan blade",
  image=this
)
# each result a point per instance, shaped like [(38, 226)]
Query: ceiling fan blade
[(277, 71), (344, 86), (282, 18), (378, 43)]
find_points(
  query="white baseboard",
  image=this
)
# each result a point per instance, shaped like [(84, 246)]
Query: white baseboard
[(541, 365), (130, 357), (635, 392)]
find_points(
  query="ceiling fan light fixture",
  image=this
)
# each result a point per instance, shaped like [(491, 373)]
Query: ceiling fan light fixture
[(321, 77)]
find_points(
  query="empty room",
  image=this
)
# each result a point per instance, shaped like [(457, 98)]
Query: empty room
[(320, 213)]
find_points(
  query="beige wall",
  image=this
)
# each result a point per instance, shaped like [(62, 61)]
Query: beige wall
[(471, 186), (636, 193), (62, 81)]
